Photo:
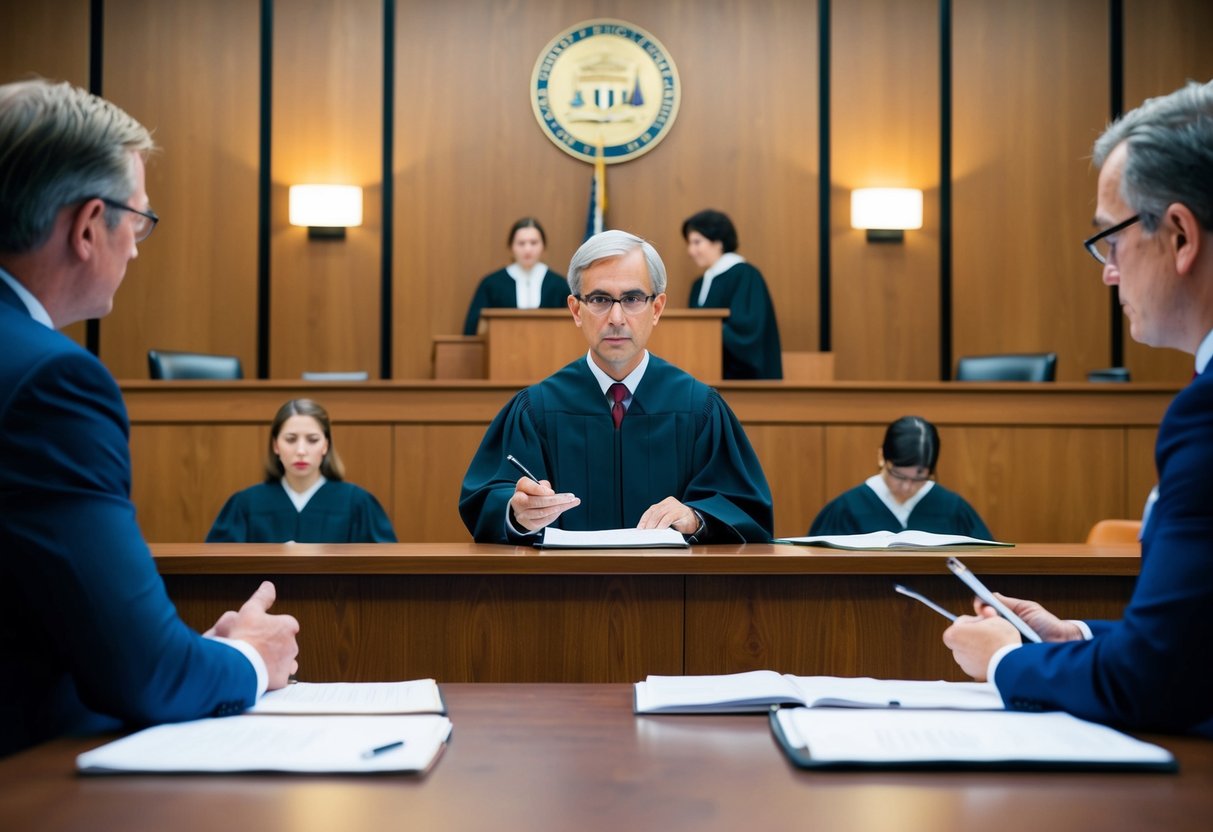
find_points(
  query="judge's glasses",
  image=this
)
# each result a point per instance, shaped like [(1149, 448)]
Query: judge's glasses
[(145, 221), (1103, 245), (632, 303)]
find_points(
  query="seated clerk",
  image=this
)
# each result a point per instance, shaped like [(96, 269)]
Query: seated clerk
[(630, 440), (524, 284), (750, 339), (904, 494), (303, 498)]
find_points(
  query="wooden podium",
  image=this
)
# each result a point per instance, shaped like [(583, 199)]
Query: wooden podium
[(531, 344)]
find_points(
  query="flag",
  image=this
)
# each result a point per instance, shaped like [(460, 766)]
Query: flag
[(596, 216)]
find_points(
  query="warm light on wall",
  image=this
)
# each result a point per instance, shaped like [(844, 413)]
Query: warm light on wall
[(326, 210), (886, 212)]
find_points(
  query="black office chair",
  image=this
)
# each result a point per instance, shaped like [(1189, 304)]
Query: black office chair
[(1023, 367), (175, 366), (1120, 374)]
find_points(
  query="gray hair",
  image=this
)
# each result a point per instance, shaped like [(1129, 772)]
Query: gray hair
[(1170, 154), (60, 144), (615, 244)]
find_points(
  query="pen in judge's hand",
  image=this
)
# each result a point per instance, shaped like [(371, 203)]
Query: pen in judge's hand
[(510, 458)]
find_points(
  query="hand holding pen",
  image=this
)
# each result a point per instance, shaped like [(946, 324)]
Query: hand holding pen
[(535, 503)]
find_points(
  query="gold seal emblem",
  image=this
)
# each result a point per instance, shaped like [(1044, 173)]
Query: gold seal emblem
[(605, 84)]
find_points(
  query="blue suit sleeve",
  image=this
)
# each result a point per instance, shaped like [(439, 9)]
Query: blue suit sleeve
[(93, 596)]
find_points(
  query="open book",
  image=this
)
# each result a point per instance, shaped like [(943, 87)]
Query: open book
[(958, 740), (907, 539), (758, 690), (301, 744), (420, 696), (554, 538)]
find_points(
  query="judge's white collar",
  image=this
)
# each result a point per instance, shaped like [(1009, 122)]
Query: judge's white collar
[(630, 381)]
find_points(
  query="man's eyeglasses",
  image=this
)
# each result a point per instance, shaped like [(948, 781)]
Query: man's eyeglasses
[(632, 303), (1101, 247), (145, 221)]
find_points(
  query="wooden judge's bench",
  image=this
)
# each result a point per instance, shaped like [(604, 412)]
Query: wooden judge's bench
[(532, 344)]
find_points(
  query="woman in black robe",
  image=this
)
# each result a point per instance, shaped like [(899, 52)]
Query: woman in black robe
[(524, 284)]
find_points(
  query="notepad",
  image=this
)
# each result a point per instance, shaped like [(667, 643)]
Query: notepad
[(758, 690), (419, 696), (299, 744), (613, 539), (907, 539), (893, 739)]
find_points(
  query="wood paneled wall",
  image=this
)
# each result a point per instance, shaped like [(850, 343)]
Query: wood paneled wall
[(1031, 84)]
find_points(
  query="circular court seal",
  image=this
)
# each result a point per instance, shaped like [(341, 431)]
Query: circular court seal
[(605, 83)]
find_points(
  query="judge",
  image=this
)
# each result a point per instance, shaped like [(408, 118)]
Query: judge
[(630, 440), (303, 498), (903, 494), (524, 284), (751, 335)]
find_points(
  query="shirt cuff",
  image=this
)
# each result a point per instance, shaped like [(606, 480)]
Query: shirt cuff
[(512, 529), (1083, 628), (996, 658), (254, 658)]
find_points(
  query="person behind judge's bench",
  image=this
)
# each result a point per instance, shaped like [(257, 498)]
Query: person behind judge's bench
[(904, 494), (630, 440), (1151, 670), (751, 335), (524, 284), (89, 639), (304, 498)]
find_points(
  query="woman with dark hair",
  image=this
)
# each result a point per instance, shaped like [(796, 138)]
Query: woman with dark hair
[(751, 336), (904, 494), (303, 498), (524, 284)]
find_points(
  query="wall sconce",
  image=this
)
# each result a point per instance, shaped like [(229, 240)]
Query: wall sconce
[(326, 210), (886, 212)]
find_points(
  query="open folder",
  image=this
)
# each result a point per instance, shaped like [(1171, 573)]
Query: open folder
[(894, 739), (758, 690)]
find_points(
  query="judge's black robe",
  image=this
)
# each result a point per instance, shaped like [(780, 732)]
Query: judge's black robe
[(339, 512), (500, 291), (679, 439), (860, 511), (751, 335)]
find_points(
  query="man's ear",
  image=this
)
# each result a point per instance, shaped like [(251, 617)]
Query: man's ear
[(84, 227), (575, 308), (1184, 236)]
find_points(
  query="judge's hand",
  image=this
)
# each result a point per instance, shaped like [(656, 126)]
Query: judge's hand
[(273, 636), (670, 513), (974, 639), (1048, 626), (535, 505)]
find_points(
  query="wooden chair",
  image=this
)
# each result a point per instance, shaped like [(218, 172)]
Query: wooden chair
[(1114, 531)]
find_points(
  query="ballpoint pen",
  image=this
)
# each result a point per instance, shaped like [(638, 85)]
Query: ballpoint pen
[(510, 458), (924, 599), (382, 749)]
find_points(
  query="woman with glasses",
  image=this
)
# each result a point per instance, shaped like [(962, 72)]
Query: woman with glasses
[(903, 494), (751, 336), (524, 284), (304, 498)]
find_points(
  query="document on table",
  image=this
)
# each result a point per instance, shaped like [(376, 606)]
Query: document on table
[(907, 539), (613, 539), (301, 744), (758, 690), (814, 738), (419, 696)]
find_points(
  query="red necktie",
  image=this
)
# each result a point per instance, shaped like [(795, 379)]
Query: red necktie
[(618, 392)]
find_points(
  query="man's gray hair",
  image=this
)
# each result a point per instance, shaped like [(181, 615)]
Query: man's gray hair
[(60, 144), (615, 244), (1170, 154)]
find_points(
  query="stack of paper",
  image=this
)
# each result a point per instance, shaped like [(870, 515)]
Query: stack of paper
[(908, 539), (613, 539), (308, 728)]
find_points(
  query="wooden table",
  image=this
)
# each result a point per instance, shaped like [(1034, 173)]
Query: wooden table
[(476, 613), (574, 757)]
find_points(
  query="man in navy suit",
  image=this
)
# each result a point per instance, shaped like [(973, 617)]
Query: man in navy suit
[(1151, 670), (89, 639)]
